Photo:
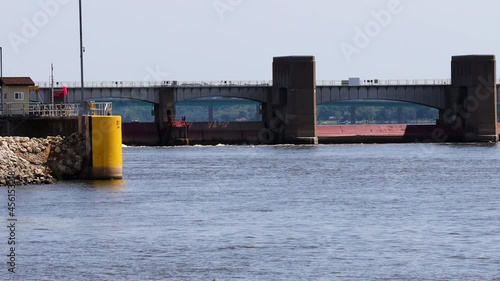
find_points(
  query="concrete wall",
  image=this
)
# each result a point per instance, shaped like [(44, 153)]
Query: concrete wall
[(473, 96), (38, 127), (164, 115), (291, 109)]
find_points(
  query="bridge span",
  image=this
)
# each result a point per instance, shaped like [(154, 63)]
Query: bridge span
[(429, 92), (289, 101), (424, 92)]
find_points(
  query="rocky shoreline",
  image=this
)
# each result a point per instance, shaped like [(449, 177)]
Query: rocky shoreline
[(41, 160)]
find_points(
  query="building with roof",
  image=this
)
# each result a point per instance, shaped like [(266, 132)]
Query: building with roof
[(15, 95)]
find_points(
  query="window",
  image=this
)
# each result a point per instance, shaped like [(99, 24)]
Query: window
[(18, 96)]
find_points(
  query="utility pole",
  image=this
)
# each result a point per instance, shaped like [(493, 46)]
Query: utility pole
[(1, 62), (1, 76), (82, 49), (52, 84)]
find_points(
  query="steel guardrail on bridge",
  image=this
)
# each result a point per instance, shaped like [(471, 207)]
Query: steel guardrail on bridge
[(244, 83)]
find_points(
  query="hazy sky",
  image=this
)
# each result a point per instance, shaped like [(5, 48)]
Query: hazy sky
[(134, 40)]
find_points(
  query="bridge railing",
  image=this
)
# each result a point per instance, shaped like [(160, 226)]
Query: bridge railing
[(142, 84), (377, 82), (234, 83)]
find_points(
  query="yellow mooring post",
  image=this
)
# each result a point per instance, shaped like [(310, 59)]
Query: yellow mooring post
[(106, 132)]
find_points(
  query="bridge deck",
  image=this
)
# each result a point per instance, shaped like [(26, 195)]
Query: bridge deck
[(424, 92)]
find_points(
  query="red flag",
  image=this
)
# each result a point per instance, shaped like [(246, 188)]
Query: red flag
[(61, 93)]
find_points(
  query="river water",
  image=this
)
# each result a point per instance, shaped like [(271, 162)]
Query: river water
[(340, 212)]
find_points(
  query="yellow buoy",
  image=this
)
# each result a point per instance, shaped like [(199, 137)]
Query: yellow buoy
[(106, 134)]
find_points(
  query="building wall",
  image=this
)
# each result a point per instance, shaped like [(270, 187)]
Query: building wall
[(10, 105)]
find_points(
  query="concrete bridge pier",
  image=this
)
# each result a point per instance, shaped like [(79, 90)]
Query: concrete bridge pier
[(164, 114), (291, 106), (472, 98)]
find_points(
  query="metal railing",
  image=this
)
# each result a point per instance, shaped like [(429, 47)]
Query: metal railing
[(97, 108), (55, 110), (15, 108), (142, 84), (228, 83), (178, 121), (377, 82)]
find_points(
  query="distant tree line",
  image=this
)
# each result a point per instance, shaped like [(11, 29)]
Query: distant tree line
[(377, 114), (134, 111), (327, 114), (223, 113)]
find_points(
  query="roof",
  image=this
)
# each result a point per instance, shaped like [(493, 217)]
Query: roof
[(16, 81)]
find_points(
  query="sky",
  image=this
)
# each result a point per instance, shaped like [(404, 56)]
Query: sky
[(147, 40)]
